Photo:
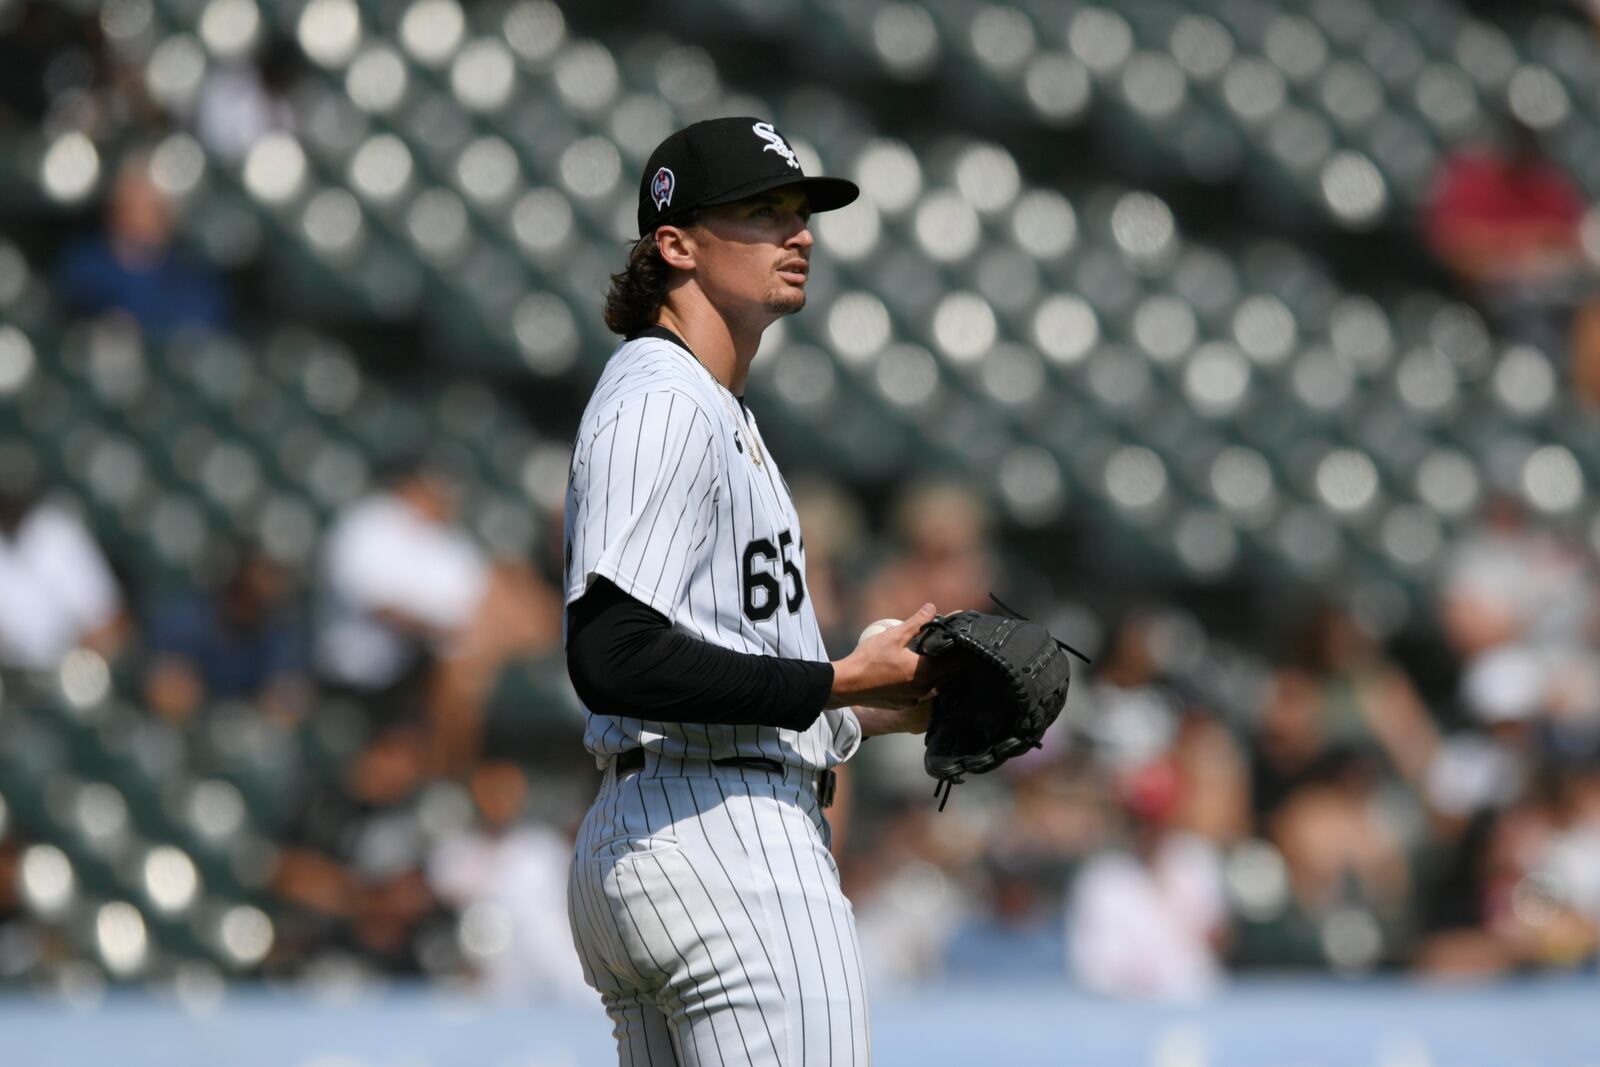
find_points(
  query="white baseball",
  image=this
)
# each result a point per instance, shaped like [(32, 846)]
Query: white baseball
[(874, 628)]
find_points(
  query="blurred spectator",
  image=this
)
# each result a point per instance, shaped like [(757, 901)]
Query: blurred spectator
[(408, 597), (942, 553), (136, 267), (1055, 814), (1541, 862), (1128, 713), (56, 590), (1513, 581), (1516, 820), (1016, 935), (56, 73), (1345, 860), (1339, 696), (1533, 885), (835, 535), (1339, 726), (905, 881), (1361, 698), (1569, 867), (1504, 220), (1287, 740), (238, 641), (1133, 713), (1487, 769), (1476, 776), (1213, 779), (350, 871), (243, 100), (507, 878), (1149, 921), (397, 573)]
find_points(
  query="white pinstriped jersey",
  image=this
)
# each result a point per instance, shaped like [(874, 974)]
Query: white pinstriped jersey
[(664, 501)]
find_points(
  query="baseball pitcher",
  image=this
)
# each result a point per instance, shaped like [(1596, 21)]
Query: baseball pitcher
[(705, 903)]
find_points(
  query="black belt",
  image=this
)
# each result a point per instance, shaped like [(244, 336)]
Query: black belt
[(630, 760)]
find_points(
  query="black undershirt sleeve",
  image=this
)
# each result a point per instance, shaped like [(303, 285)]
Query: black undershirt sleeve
[(625, 659)]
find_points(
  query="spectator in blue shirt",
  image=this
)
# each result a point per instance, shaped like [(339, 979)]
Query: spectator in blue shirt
[(241, 641), (135, 266), (1018, 936)]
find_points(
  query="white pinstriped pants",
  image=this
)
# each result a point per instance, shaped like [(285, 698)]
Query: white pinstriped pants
[(707, 911)]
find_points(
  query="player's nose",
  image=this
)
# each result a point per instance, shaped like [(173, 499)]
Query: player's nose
[(801, 238)]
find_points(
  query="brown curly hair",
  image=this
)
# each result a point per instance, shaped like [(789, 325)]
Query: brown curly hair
[(637, 291)]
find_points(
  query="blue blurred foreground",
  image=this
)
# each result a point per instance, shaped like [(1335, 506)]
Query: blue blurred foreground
[(1280, 1024)]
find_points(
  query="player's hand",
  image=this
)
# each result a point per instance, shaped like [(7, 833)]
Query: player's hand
[(883, 673)]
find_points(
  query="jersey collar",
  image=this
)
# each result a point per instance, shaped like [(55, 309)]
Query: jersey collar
[(661, 333)]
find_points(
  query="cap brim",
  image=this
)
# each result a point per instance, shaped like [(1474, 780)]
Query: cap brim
[(822, 194)]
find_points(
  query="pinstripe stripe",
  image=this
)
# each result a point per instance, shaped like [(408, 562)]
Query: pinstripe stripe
[(728, 878), (683, 560), (630, 1038), (666, 989), (644, 417), (605, 494), (722, 985), (861, 981), (672, 532), (673, 987), (638, 375), (601, 903), (811, 921), (825, 878), (677, 524), (787, 932), (744, 968)]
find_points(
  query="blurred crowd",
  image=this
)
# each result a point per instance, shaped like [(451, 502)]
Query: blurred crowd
[(1293, 788), (1306, 800)]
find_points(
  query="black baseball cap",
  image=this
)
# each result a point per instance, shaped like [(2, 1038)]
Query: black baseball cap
[(719, 161)]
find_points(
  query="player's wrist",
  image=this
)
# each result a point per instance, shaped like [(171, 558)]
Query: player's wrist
[(846, 684), (875, 722)]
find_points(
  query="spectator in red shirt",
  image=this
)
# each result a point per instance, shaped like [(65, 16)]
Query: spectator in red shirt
[(1504, 220)]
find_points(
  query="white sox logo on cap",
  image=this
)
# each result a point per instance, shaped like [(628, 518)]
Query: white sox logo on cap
[(775, 143), (661, 187), (717, 161)]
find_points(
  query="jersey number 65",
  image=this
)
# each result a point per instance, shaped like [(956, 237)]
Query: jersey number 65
[(762, 590)]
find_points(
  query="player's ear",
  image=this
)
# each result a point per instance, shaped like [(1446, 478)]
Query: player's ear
[(676, 245)]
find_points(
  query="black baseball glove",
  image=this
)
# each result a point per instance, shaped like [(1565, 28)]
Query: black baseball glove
[(1009, 686)]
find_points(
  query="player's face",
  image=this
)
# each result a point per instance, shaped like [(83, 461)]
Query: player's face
[(756, 254)]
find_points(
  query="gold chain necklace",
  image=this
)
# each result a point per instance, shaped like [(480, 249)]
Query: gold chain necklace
[(754, 451)]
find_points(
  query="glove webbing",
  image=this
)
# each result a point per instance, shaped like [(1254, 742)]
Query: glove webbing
[(1023, 618)]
